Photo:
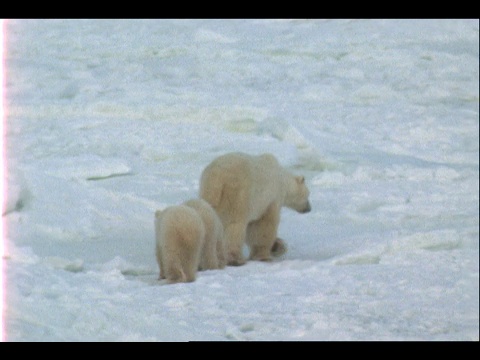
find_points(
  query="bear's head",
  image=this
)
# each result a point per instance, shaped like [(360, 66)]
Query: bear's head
[(297, 195)]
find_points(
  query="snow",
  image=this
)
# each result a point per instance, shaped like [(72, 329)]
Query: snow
[(2, 177), (109, 120)]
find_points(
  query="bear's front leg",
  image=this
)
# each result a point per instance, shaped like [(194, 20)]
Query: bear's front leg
[(235, 237), (279, 248), (262, 234)]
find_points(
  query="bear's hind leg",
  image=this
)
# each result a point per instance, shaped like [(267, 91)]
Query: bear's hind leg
[(209, 259), (160, 262), (175, 270), (221, 251), (235, 235), (175, 275), (192, 262)]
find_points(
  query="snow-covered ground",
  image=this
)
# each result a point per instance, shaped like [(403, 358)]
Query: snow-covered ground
[(109, 120)]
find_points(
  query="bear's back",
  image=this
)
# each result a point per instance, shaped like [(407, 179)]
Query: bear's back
[(205, 210), (181, 224), (242, 163)]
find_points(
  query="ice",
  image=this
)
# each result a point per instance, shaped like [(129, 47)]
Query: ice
[(109, 120), (204, 35)]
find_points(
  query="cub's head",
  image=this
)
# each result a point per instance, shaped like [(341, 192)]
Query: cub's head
[(297, 195)]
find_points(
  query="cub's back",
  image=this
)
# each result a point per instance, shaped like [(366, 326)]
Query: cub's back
[(181, 224)]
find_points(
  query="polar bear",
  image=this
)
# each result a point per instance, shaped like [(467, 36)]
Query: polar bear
[(179, 235), (248, 192), (213, 252)]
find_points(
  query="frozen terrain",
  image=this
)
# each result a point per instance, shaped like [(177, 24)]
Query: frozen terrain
[(109, 120)]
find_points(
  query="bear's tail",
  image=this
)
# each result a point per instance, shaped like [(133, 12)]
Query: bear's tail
[(211, 189)]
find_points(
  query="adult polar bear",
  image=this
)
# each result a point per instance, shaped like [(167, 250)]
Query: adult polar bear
[(248, 193)]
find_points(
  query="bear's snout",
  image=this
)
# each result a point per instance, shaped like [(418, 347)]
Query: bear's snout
[(306, 209)]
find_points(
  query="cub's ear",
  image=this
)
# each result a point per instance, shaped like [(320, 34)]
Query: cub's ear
[(300, 180)]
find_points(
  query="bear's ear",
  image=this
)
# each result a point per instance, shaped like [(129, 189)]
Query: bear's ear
[(300, 180)]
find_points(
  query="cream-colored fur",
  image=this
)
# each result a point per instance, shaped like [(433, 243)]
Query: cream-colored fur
[(248, 192), (180, 234), (213, 253), (279, 248)]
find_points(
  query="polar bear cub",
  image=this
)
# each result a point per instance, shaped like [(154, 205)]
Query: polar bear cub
[(180, 235), (213, 252), (189, 237)]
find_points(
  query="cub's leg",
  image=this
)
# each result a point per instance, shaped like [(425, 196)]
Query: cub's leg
[(160, 262), (209, 259), (221, 250)]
